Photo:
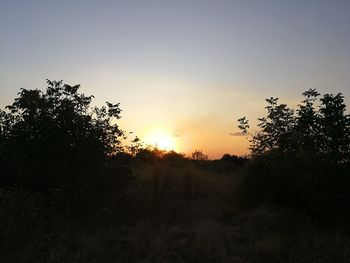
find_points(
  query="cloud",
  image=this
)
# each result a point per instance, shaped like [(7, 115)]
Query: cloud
[(236, 134)]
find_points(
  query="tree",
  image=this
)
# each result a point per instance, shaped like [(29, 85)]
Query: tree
[(301, 159), (307, 128), (325, 131), (275, 128), (198, 155), (334, 128), (135, 146), (54, 138), (239, 160)]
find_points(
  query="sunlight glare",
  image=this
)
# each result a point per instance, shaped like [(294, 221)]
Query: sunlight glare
[(160, 138)]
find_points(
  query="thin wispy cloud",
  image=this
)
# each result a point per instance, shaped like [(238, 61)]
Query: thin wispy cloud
[(236, 134)]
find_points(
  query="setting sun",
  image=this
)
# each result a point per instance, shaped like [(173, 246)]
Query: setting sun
[(160, 138)]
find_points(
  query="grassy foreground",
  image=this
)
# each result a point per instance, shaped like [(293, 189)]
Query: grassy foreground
[(171, 213)]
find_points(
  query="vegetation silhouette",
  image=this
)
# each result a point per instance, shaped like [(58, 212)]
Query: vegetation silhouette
[(301, 158), (54, 142), (198, 155), (70, 191)]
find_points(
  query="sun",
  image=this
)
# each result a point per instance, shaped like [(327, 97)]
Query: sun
[(160, 138)]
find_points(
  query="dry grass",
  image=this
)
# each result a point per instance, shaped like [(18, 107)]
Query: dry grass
[(170, 214)]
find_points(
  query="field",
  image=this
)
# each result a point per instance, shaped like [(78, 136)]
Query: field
[(172, 212), (174, 131)]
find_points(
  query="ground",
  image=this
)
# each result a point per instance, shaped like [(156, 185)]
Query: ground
[(170, 213)]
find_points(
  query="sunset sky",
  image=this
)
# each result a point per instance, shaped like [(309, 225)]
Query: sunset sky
[(186, 68)]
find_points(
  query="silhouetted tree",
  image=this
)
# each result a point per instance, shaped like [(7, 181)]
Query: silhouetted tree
[(334, 128), (301, 159), (150, 154), (274, 128), (174, 157), (238, 160), (135, 146), (307, 128), (198, 155), (323, 131), (56, 139)]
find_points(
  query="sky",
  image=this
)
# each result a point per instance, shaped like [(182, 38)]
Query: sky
[(188, 67)]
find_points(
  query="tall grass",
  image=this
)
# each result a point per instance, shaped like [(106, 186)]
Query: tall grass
[(171, 213)]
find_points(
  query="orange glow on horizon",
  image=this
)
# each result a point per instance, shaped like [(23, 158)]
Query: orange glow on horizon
[(161, 138), (214, 144)]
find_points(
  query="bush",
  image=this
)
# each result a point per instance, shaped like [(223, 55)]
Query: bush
[(306, 183)]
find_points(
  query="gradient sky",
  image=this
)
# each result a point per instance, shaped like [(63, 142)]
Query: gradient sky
[(191, 67)]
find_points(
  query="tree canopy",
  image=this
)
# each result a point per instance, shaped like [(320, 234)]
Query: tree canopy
[(302, 157), (49, 135), (319, 126)]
